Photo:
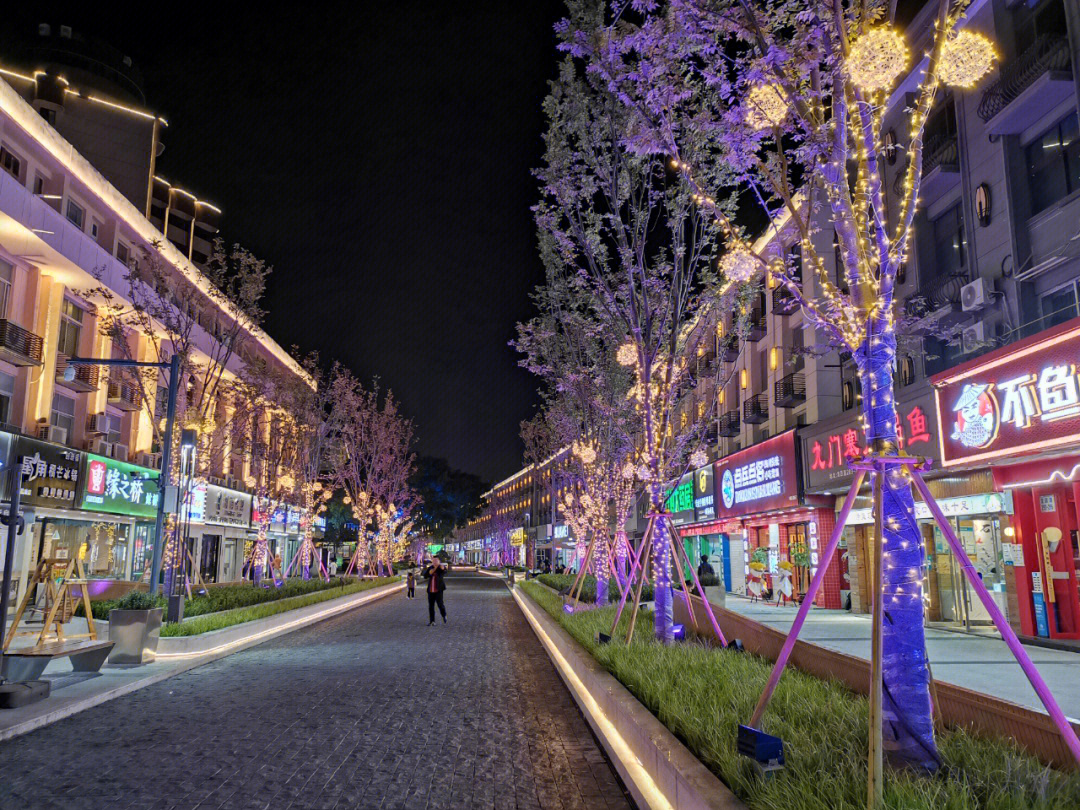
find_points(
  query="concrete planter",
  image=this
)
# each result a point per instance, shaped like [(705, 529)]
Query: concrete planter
[(135, 634)]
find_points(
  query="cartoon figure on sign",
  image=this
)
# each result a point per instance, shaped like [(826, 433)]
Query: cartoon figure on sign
[(727, 489), (976, 423)]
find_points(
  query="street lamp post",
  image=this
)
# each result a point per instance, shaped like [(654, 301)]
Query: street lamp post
[(173, 367)]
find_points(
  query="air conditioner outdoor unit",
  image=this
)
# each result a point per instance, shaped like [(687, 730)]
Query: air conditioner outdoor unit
[(52, 433), (151, 460), (120, 451), (973, 337), (975, 295), (216, 481), (100, 447), (96, 424)]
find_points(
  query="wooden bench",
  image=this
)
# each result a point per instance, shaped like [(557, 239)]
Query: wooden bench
[(27, 663)]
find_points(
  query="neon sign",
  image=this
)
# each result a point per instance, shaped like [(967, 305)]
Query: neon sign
[(759, 478), (1012, 402)]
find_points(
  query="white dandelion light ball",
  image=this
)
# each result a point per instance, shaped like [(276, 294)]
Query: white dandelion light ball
[(766, 106), (626, 354), (628, 471), (738, 264), (585, 451), (699, 458), (877, 59), (965, 59)]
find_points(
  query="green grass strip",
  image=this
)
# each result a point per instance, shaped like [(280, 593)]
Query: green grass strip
[(204, 624), (702, 693)]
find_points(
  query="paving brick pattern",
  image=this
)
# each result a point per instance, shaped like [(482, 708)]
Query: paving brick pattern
[(372, 709)]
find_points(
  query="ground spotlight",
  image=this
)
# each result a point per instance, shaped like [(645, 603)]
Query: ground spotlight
[(602, 638), (678, 632)]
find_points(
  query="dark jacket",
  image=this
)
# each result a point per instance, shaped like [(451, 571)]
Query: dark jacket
[(438, 574)]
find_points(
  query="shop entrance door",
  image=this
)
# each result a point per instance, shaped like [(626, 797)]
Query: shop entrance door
[(980, 536), (798, 554), (208, 560)]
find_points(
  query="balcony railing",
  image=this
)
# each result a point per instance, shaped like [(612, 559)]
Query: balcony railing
[(19, 346), (87, 378), (943, 291), (757, 327), (791, 390), (124, 396), (729, 350), (756, 409), (784, 301), (729, 424), (1049, 53)]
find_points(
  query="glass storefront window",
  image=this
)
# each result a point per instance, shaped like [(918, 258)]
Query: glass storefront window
[(957, 602), (103, 547)]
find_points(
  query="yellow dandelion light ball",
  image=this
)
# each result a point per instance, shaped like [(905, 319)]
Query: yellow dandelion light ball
[(738, 264), (965, 59), (877, 59), (626, 355), (766, 106), (699, 458)]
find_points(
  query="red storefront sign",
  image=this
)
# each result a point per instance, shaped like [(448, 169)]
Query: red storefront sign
[(1021, 400), (759, 478), (827, 453)]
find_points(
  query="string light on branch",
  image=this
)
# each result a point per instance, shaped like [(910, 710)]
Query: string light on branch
[(738, 264), (766, 106), (877, 59), (626, 354), (628, 471), (585, 451), (965, 59), (699, 458)]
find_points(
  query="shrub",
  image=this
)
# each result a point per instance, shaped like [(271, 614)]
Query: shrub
[(136, 600), (702, 693), (563, 582)]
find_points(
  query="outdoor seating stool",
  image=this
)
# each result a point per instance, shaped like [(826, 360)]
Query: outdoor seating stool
[(27, 663)]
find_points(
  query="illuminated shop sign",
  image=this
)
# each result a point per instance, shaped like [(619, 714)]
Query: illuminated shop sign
[(561, 531), (517, 537), (759, 478), (1012, 402), (681, 498), (826, 453), (704, 496), (983, 504), (120, 488), (50, 474), (227, 507)]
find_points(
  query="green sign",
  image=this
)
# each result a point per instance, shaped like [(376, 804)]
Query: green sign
[(681, 499), (120, 488)]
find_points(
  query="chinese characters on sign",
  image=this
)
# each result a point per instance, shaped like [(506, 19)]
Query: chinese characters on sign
[(1012, 402), (50, 474), (827, 452), (759, 478), (120, 488)]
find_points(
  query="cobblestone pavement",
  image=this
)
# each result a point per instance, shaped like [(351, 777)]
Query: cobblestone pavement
[(372, 709)]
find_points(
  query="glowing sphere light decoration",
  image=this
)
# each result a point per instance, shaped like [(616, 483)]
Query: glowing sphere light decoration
[(699, 458), (965, 59), (626, 355), (738, 264), (877, 59), (766, 106)]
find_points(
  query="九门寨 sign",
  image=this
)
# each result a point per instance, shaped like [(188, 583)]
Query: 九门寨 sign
[(120, 488), (828, 451), (759, 478), (1021, 400)]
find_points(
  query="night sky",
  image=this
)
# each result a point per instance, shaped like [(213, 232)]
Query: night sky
[(379, 158)]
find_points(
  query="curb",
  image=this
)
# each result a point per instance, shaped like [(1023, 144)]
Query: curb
[(191, 660), (657, 769)]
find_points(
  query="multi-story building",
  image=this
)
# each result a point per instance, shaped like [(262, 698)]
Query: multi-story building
[(68, 224)]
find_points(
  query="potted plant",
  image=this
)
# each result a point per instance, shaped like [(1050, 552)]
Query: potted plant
[(134, 627)]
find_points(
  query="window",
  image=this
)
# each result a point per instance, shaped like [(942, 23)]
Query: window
[(7, 396), (123, 254), (63, 413), (39, 184), (7, 270), (1053, 162), (1059, 306), (12, 165), (949, 242), (95, 228), (113, 428), (76, 214), (1033, 20), (48, 115), (70, 328), (905, 370)]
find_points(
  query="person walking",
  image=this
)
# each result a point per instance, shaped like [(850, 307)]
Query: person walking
[(410, 581), (435, 587), (705, 569)]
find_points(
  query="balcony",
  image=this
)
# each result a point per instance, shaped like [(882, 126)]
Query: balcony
[(729, 424), (123, 396), (790, 391), (19, 346), (728, 351), (784, 301), (937, 303), (757, 327), (941, 164), (1030, 86), (756, 409), (87, 378)]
